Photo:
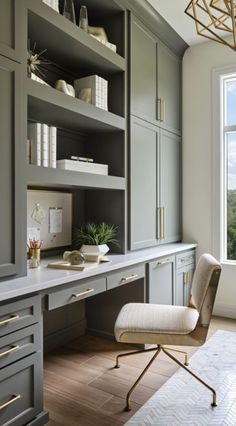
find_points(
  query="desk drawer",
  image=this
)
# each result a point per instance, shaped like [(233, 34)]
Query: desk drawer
[(19, 344), (77, 292), (21, 391), (20, 314), (184, 259), (125, 276)]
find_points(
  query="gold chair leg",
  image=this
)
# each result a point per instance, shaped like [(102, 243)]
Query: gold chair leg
[(181, 352), (158, 350), (132, 353), (214, 404)]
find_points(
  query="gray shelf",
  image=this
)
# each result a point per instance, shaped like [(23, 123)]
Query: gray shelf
[(50, 106), (67, 44), (57, 178)]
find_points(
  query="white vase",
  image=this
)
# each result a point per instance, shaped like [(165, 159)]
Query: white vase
[(100, 250)]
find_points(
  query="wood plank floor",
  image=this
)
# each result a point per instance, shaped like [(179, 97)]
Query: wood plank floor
[(81, 387)]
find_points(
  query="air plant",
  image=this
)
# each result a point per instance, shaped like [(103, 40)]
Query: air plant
[(35, 62)]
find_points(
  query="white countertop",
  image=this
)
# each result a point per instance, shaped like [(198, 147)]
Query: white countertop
[(42, 278)]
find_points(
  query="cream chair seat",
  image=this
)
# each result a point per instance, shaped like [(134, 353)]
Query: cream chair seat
[(161, 325)]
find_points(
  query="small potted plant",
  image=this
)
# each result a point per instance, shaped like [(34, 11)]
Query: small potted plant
[(93, 238)]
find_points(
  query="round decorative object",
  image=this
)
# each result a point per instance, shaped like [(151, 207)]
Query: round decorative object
[(73, 257)]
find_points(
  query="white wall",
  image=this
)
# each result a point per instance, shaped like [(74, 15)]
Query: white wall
[(199, 62)]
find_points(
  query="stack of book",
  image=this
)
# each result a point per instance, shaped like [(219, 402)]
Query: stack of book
[(99, 89), (83, 166), (53, 4), (42, 146)]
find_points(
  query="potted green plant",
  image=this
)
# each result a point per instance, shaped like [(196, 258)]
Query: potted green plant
[(93, 238)]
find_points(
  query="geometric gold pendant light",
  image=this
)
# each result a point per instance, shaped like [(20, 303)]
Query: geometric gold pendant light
[(215, 20)]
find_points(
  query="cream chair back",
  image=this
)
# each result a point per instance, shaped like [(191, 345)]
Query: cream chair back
[(204, 287)]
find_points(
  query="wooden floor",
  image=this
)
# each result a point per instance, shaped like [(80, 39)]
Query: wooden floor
[(81, 387)]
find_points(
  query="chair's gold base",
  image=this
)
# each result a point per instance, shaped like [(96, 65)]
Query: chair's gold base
[(166, 350)]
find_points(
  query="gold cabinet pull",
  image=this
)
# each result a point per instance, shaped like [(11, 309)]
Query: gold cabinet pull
[(163, 262), (185, 279), (129, 277), (6, 321), (162, 223), (83, 293), (13, 399), (161, 109), (9, 351)]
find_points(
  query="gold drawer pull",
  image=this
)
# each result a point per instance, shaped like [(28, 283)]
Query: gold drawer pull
[(9, 351), (6, 321), (83, 293), (13, 399), (163, 262), (129, 277)]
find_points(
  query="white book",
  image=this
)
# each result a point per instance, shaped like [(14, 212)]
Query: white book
[(34, 135), (44, 146), (95, 83), (53, 146), (82, 166), (56, 6)]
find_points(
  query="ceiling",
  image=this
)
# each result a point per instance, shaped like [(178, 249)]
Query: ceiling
[(173, 12)]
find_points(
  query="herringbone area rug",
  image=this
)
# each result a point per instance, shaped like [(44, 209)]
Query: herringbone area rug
[(184, 401)]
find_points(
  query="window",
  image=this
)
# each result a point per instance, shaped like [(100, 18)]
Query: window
[(228, 166)]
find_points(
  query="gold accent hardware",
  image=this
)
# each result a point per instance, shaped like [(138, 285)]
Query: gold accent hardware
[(13, 399), (186, 258), (180, 352), (129, 277), (162, 223), (210, 16), (6, 321), (185, 279), (83, 293), (163, 110), (9, 351), (157, 350), (163, 262)]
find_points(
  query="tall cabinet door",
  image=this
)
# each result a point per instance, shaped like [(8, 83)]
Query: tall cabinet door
[(11, 27), (11, 193), (169, 88), (143, 152), (143, 68), (169, 201)]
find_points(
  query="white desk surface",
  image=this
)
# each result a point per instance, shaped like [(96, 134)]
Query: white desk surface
[(42, 278)]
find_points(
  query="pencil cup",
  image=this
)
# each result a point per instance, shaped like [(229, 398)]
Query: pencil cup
[(34, 255)]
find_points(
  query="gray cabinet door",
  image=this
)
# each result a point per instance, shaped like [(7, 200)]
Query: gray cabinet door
[(161, 281), (11, 194), (169, 197), (143, 53), (11, 29), (183, 285), (143, 146), (169, 88)]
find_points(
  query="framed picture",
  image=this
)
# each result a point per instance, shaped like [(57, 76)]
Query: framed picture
[(49, 218)]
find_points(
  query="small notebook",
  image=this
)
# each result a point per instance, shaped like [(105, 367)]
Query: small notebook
[(66, 265)]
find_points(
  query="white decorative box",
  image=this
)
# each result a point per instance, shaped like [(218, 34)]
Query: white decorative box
[(82, 166)]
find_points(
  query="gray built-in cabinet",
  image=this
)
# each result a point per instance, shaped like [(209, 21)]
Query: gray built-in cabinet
[(161, 281), (12, 190), (155, 142), (155, 79), (155, 182)]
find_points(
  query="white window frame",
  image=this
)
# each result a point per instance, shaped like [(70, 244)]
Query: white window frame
[(219, 179)]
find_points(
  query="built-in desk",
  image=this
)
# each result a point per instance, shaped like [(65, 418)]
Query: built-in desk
[(23, 300)]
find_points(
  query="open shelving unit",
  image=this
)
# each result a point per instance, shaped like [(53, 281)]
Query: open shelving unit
[(83, 128)]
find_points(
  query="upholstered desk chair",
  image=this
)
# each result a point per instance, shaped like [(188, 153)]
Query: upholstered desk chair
[(144, 323)]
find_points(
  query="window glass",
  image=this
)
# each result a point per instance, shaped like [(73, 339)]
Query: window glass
[(230, 139), (230, 102)]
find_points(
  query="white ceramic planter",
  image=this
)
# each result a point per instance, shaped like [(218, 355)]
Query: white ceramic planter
[(100, 250)]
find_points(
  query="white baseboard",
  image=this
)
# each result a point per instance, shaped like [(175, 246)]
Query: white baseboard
[(228, 311), (61, 337)]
